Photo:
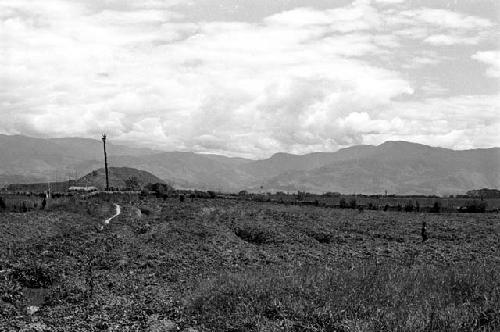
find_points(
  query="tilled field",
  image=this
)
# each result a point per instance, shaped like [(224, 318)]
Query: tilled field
[(212, 265)]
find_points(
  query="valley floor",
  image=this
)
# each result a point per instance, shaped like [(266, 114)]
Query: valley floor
[(225, 265)]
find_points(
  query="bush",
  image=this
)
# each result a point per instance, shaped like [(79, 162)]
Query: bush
[(254, 235), (302, 195), (475, 207), (436, 208), (342, 203), (34, 275), (145, 211), (322, 237), (352, 204), (409, 206)]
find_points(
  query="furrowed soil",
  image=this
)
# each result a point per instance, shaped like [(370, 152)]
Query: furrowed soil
[(227, 265)]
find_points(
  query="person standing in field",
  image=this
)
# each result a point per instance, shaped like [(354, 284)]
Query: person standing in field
[(424, 232)]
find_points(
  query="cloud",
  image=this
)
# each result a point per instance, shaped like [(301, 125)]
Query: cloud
[(440, 27), (390, 1), (433, 89), (460, 122), (299, 80), (447, 40), (491, 58), (445, 19)]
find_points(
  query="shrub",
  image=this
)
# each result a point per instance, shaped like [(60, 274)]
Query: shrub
[(436, 208), (34, 275), (254, 234), (342, 203), (352, 203), (475, 207), (301, 195), (322, 237), (24, 207), (145, 211), (132, 183), (409, 206)]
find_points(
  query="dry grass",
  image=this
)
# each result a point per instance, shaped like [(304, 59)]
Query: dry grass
[(245, 266), (365, 297)]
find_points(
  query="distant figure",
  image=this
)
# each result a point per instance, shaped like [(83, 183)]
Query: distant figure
[(44, 203), (424, 232)]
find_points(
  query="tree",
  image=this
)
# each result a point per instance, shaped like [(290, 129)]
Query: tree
[(352, 203), (409, 206), (342, 203), (132, 183), (436, 208)]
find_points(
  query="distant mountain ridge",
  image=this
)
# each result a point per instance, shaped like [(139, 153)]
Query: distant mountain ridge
[(396, 166)]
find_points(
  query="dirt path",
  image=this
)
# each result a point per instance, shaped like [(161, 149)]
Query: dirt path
[(118, 212)]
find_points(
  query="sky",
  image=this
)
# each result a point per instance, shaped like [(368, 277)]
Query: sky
[(251, 78)]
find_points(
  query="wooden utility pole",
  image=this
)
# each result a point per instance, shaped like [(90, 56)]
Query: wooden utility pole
[(105, 161)]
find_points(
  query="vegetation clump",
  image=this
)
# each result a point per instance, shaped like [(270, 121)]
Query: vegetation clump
[(255, 235)]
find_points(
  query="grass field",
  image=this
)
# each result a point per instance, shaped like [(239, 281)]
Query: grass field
[(225, 265)]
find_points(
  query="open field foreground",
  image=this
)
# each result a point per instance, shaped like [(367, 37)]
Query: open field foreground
[(224, 265)]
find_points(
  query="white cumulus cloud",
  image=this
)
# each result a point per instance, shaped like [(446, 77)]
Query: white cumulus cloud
[(491, 58), (299, 80)]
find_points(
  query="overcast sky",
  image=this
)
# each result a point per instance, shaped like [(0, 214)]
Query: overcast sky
[(252, 77)]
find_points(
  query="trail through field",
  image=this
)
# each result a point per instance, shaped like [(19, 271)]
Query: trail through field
[(118, 212)]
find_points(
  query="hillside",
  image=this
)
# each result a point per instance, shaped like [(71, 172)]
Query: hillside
[(27, 159), (401, 168), (398, 167), (117, 178)]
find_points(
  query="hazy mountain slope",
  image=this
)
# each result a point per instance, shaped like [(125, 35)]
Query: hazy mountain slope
[(190, 170), (36, 158), (400, 167), (284, 162), (184, 169), (92, 148)]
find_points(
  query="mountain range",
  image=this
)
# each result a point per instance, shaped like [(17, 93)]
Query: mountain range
[(396, 166)]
